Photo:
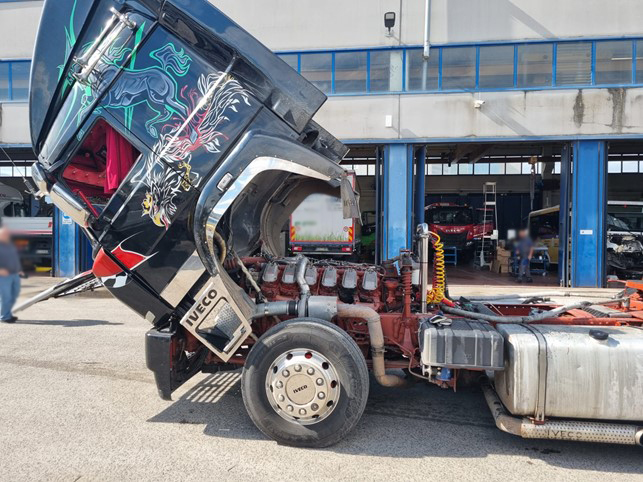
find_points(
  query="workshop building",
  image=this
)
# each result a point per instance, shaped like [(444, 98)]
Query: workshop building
[(508, 107)]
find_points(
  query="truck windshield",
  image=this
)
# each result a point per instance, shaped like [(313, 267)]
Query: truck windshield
[(450, 216)]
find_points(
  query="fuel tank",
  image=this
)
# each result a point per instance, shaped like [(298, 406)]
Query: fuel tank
[(572, 371)]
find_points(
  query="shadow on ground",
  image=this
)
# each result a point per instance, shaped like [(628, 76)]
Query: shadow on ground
[(421, 421), (68, 323)]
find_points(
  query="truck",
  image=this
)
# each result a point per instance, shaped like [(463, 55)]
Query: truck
[(318, 227), (32, 235), (624, 236), (207, 143), (459, 226)]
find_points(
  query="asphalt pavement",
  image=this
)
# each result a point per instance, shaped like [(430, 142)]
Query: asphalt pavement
[(77, 403)]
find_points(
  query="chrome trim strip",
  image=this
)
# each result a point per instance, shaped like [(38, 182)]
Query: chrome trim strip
[(257, 166), (39, 177), (184, 280), (63, 198)]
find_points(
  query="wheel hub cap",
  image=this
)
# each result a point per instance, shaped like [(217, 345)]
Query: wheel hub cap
[(302, 386)]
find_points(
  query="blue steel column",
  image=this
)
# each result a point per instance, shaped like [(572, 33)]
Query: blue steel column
[(420, 183), (397, 199), (66, 245), (589, 205)]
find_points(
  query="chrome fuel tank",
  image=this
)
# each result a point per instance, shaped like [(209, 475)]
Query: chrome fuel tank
[(572, 371)]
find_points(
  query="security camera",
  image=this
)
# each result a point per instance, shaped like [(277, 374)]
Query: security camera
[(478, 103)]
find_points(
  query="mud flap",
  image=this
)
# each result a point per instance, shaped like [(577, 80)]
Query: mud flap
[(171, 366)]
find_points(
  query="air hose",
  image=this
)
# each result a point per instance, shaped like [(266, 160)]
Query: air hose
[(437, 294)]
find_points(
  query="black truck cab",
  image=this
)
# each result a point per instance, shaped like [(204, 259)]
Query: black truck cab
[(172, 136)]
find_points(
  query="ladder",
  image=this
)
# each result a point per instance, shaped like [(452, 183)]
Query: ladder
[(485, 251), (451, 255)]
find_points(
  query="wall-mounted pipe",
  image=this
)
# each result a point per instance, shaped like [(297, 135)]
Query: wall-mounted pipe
[(376, 335), (424, 238), (427, 29), (574, 430)]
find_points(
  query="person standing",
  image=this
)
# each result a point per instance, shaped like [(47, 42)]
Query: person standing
[(9, 276), (524, 252)]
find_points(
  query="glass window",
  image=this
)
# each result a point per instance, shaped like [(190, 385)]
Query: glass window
[(614, 62), (20, 80), (535, 65), (458, 68), (481, 168), (614, 167), (360, 169), (386, 70), (434, 169), (6, 171), (639, 61), (420, 74), (526, 168), (4, 80), (316, 68), (574, 63), (630, 166), (291, 59), (465, 168), (513, 168), (450, 170), (496, 66), (496, 168), (350, 72)]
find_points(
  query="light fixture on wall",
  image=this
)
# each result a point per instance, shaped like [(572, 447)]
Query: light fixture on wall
[(389, 22)]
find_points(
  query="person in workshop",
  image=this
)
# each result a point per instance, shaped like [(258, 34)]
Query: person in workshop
[(9, 276), (524, 253)]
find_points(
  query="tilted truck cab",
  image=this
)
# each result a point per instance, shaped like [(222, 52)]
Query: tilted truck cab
[(181, 145)]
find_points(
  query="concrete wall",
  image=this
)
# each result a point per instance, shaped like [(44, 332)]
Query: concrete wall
[(310, 24), (14, 123), (561, 113), (18, 27)]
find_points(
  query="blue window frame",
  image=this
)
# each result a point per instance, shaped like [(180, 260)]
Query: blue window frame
[(495, 66), (574, 63), (351, 72), (422, 74), (535, 65), (14, 80), (318, 69), (458, 68), (614, 62), (386, 70)]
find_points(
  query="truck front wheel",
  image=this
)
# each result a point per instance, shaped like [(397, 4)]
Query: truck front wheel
[(305, 383)]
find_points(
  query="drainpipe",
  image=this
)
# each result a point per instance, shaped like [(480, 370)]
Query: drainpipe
[(427, 43), (427, 28)]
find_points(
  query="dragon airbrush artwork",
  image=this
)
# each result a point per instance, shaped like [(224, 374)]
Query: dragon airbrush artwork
[(181, 146)]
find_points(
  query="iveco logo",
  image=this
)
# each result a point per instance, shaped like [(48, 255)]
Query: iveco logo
[(297, 390), (201, 307)]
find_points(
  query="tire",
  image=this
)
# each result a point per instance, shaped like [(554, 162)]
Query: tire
[(344, 361)]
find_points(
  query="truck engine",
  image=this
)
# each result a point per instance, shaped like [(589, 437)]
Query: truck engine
[(181, 145)]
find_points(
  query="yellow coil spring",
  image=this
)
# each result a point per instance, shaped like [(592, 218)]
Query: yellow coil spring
[(436, 294)]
